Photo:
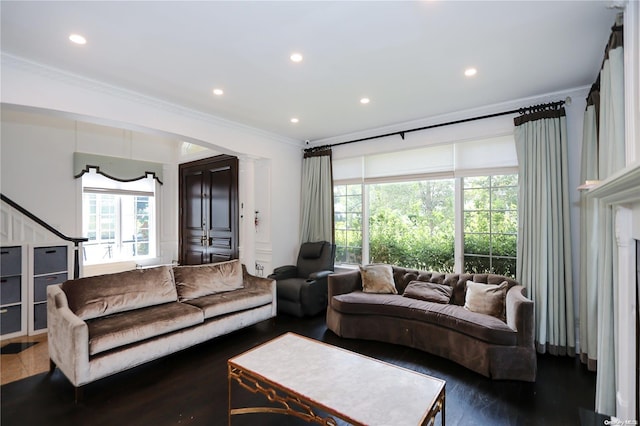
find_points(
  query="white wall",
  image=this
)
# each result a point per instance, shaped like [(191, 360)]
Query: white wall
[(48, 191), (37, 169)]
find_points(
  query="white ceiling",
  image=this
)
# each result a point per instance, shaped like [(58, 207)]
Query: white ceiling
[(407, 57)]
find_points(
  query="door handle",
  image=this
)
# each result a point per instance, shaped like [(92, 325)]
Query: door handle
[(203, 239)]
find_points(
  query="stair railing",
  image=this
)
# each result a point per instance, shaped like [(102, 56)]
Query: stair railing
[(76, 241)]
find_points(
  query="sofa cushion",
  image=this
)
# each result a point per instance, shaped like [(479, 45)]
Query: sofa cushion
[(202, 280), (233, 301), (453, 317), (101, 295), (430, 292), (123, 328), (488, 299), (358, 302), (378, 279)]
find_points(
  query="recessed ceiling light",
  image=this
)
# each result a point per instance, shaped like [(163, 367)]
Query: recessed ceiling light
[(218, 92), (470, 72), (365, 100), (296, 57), (294, 120), (77, 39)]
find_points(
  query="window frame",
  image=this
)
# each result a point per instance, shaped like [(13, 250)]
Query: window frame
[(346, 229), (491, 256), (458, 206), (97, 184)]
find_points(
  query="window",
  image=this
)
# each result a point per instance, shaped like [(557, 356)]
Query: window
[(348, 223), (490, 224), (449, 206), (412, 223), (118, 218)]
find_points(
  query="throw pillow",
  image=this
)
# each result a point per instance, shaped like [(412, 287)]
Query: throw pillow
[(378, 279), (486, 299), (202, 280), (430, 292)]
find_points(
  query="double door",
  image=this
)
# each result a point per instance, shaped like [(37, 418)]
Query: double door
[(209, 210)]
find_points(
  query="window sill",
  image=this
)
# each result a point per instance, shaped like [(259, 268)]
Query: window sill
[(346, 267), (107, 268), (92, 269)]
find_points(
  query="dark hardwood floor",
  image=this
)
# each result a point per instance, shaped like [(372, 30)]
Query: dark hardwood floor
[(190, 388)]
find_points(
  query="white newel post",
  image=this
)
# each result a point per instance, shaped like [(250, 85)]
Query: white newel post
[(247, 246)]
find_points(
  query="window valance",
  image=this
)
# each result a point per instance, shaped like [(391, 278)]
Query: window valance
[(120, 169)]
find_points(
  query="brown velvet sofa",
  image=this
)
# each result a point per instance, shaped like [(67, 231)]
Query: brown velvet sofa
[(102, 325), (496, 348)]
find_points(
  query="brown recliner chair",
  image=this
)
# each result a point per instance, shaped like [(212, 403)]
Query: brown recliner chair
[(302, 289)]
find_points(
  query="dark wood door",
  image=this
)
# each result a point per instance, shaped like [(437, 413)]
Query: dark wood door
[(209, 210)]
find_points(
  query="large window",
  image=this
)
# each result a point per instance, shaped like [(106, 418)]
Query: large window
[(448, 206), (490, 224), (118, 218), (413, 223)]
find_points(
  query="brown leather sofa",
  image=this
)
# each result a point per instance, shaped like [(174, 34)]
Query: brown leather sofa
[(495, 348)]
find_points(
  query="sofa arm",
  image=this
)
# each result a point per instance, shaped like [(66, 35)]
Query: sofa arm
[(67, 337), (520, 315), (253, 281), (284, 272), (319, 275), (343, 283)]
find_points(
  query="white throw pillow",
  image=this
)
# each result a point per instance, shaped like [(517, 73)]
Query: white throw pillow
[(488, 299), (378, 279)]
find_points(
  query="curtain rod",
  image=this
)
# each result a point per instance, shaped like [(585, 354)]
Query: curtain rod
[(521, 111)]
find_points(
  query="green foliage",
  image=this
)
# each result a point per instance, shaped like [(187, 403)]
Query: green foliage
[(493, 265), (411, 224), (409, 230), (490, 224)]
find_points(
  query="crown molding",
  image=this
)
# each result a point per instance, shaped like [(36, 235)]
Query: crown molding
[(25, 65)]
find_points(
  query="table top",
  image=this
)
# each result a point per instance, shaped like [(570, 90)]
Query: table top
[(358, 388)]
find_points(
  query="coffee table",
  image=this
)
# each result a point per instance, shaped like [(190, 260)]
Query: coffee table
[(303, 376)]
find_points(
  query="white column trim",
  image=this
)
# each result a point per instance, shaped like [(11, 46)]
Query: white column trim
[(621, 192), (247, 247)]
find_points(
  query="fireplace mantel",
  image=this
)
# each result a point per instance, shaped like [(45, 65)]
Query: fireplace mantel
[(622, 187)]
